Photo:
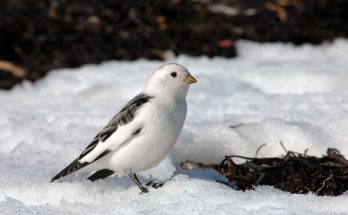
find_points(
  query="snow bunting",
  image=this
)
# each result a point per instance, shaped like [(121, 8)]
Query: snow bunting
[(142, 132)]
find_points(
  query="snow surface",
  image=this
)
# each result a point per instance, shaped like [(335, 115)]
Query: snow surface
[(271, 92)]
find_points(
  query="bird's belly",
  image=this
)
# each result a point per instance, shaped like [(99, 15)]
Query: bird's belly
[(144, 151), (157, 137)]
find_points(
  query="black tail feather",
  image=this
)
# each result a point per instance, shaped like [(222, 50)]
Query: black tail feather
[(100, 174), (71, 168)]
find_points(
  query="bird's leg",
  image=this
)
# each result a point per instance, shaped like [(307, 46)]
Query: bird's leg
[(134, 177)]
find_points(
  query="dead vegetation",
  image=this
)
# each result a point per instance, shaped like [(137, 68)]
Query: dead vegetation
[(294, 172)]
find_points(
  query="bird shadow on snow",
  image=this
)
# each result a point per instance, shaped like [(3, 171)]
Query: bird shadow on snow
[(194, 174), (114, 182), (121, 182), (202, 174)]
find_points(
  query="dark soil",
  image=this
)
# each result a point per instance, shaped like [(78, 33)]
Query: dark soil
[(294, 173), (40, 35)]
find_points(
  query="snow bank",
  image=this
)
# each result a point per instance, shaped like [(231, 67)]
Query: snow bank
[(270, 93)]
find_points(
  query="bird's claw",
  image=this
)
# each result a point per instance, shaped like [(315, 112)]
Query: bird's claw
[(157, 185), (154, 184)]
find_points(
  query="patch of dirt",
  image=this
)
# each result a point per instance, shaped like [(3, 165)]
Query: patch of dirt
[(40, 35)]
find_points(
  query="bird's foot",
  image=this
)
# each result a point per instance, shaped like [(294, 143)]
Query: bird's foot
[(154, 184), (143, 190)]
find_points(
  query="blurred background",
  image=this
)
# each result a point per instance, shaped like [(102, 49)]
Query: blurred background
[(40, 35)]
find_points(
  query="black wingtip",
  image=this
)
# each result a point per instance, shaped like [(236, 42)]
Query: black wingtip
[(54, 179), (59, 175), (71, 168)]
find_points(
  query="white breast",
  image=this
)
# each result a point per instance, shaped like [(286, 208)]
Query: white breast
[(161, 122)]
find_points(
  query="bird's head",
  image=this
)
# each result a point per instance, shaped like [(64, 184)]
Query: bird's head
[(169, 80)]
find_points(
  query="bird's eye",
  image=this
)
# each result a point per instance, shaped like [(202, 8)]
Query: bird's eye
[(173, 74)]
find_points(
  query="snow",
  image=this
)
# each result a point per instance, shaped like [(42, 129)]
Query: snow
[(270, 93)]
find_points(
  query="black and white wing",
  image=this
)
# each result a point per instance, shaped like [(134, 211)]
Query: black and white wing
[(100, 146)]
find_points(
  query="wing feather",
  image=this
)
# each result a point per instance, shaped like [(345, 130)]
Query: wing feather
[(101, 174), (96, 149)]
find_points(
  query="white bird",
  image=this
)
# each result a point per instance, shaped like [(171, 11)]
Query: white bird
[(143, 132)]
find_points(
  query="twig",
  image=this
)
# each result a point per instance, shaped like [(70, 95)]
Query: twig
[(282, 145), (243, 157), (278, 9), (323, 184), (13, 69), (258, 149), (236, 125), (259, 179), (334, 153)]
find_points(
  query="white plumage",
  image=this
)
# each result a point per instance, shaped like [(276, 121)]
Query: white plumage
[(143, 132)]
